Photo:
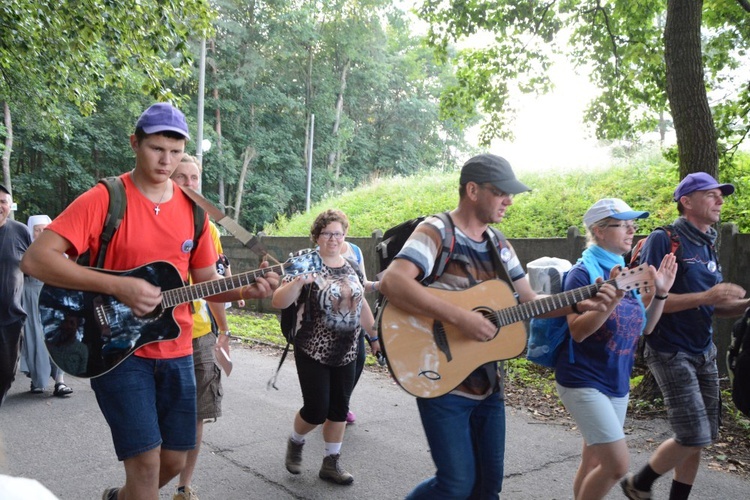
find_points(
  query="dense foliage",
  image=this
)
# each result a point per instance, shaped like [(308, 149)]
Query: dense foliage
[(270, 67), (558, 200)]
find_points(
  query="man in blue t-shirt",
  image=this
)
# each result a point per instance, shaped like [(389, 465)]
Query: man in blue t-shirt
[(680, 352)]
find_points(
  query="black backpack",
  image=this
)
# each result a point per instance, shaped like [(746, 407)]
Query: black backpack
[(395, 238), (738, 363), (115, 214)]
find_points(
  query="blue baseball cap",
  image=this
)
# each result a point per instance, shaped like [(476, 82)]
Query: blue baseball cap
[(700, 181), (162, 117), (613, 208)]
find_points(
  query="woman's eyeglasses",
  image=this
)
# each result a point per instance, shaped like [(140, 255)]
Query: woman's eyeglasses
[(628, 227), (328, 236)]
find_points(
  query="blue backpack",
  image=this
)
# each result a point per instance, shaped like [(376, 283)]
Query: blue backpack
[(546, 337)]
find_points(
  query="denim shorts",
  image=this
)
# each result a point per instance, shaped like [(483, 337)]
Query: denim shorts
[(690, 386), (207, 377), (149, 403), (599, 417)]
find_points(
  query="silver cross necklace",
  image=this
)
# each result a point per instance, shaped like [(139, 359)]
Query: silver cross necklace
[(157, 209)]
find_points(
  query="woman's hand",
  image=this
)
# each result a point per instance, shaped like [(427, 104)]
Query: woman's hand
[(664, 277)]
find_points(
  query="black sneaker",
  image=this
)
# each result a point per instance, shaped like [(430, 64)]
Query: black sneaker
[(630, 490)]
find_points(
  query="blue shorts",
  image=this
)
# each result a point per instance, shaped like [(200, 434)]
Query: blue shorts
[(599, 417), (690, 386), (149, 403)]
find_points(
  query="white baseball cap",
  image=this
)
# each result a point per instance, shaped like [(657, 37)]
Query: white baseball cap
[(613, 208)]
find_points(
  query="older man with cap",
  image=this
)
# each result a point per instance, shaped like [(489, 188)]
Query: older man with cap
[(465, 428), (149, 399), (14, 240), (680, 352)]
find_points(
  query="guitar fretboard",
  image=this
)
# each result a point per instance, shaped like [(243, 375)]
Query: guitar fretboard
[(527, 310), (171, 298)]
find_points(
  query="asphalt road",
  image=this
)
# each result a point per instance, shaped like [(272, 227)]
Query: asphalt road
[(65, 444)]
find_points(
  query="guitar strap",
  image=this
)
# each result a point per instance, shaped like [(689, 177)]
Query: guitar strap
[(248, 239), (500, 269)]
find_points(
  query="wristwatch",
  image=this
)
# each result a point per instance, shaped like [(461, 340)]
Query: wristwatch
[(225, 332)]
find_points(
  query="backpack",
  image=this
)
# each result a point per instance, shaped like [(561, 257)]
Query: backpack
[(546, 337), (633, 257), (738, 363), (115, 214), (395, 238)]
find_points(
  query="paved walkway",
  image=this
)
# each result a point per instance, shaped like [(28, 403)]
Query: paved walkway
[(65, 444)]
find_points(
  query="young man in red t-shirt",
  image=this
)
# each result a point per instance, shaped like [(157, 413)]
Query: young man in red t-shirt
[(148, 399)]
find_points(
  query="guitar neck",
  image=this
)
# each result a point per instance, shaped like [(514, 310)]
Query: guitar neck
[(527, 310), (176, 296)]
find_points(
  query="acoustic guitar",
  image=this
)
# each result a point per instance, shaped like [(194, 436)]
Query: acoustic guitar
[(88, 334), (428, 358)]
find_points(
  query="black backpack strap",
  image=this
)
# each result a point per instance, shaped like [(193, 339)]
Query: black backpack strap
[(357, 269), (115, 214), (199, 218), (307, 317)]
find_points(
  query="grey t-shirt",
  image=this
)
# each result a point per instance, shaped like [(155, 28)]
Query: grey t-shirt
[(14, 240)]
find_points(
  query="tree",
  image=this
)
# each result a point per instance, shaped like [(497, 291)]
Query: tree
[(646, 60), (54, 53)]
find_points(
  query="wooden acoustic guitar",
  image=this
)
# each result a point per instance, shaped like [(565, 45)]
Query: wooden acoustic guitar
[(428, 358), (88, 334)]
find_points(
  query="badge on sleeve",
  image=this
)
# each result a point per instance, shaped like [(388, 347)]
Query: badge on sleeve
[(505, 254)]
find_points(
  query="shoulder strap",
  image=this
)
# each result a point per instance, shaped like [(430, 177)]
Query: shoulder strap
[(449, 242), (307, 317), (497, 240), (199, 219), (115, 214), (674, 237), (357, 269)]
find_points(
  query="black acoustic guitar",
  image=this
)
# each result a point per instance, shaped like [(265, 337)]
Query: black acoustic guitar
[(88, 334)]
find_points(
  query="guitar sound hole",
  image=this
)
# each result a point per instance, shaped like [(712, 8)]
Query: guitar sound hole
[(490, 315), (155, 314)]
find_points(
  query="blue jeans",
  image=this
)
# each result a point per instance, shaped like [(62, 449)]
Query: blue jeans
[(467, 443), (149, 403)]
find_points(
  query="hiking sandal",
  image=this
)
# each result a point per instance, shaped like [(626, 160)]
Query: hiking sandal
[(62, 390)]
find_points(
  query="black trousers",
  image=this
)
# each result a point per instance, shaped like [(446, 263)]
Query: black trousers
[(10, 349), (325, 389)]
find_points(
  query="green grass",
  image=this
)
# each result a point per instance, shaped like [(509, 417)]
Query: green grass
[(557, 201)]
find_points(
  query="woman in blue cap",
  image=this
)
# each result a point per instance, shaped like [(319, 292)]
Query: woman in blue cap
[(595, 386)]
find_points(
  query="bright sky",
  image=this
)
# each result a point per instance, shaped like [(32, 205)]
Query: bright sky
[(549, 129)]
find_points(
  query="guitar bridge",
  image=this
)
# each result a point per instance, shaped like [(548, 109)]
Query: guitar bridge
[(102, 320), (441, 340)]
